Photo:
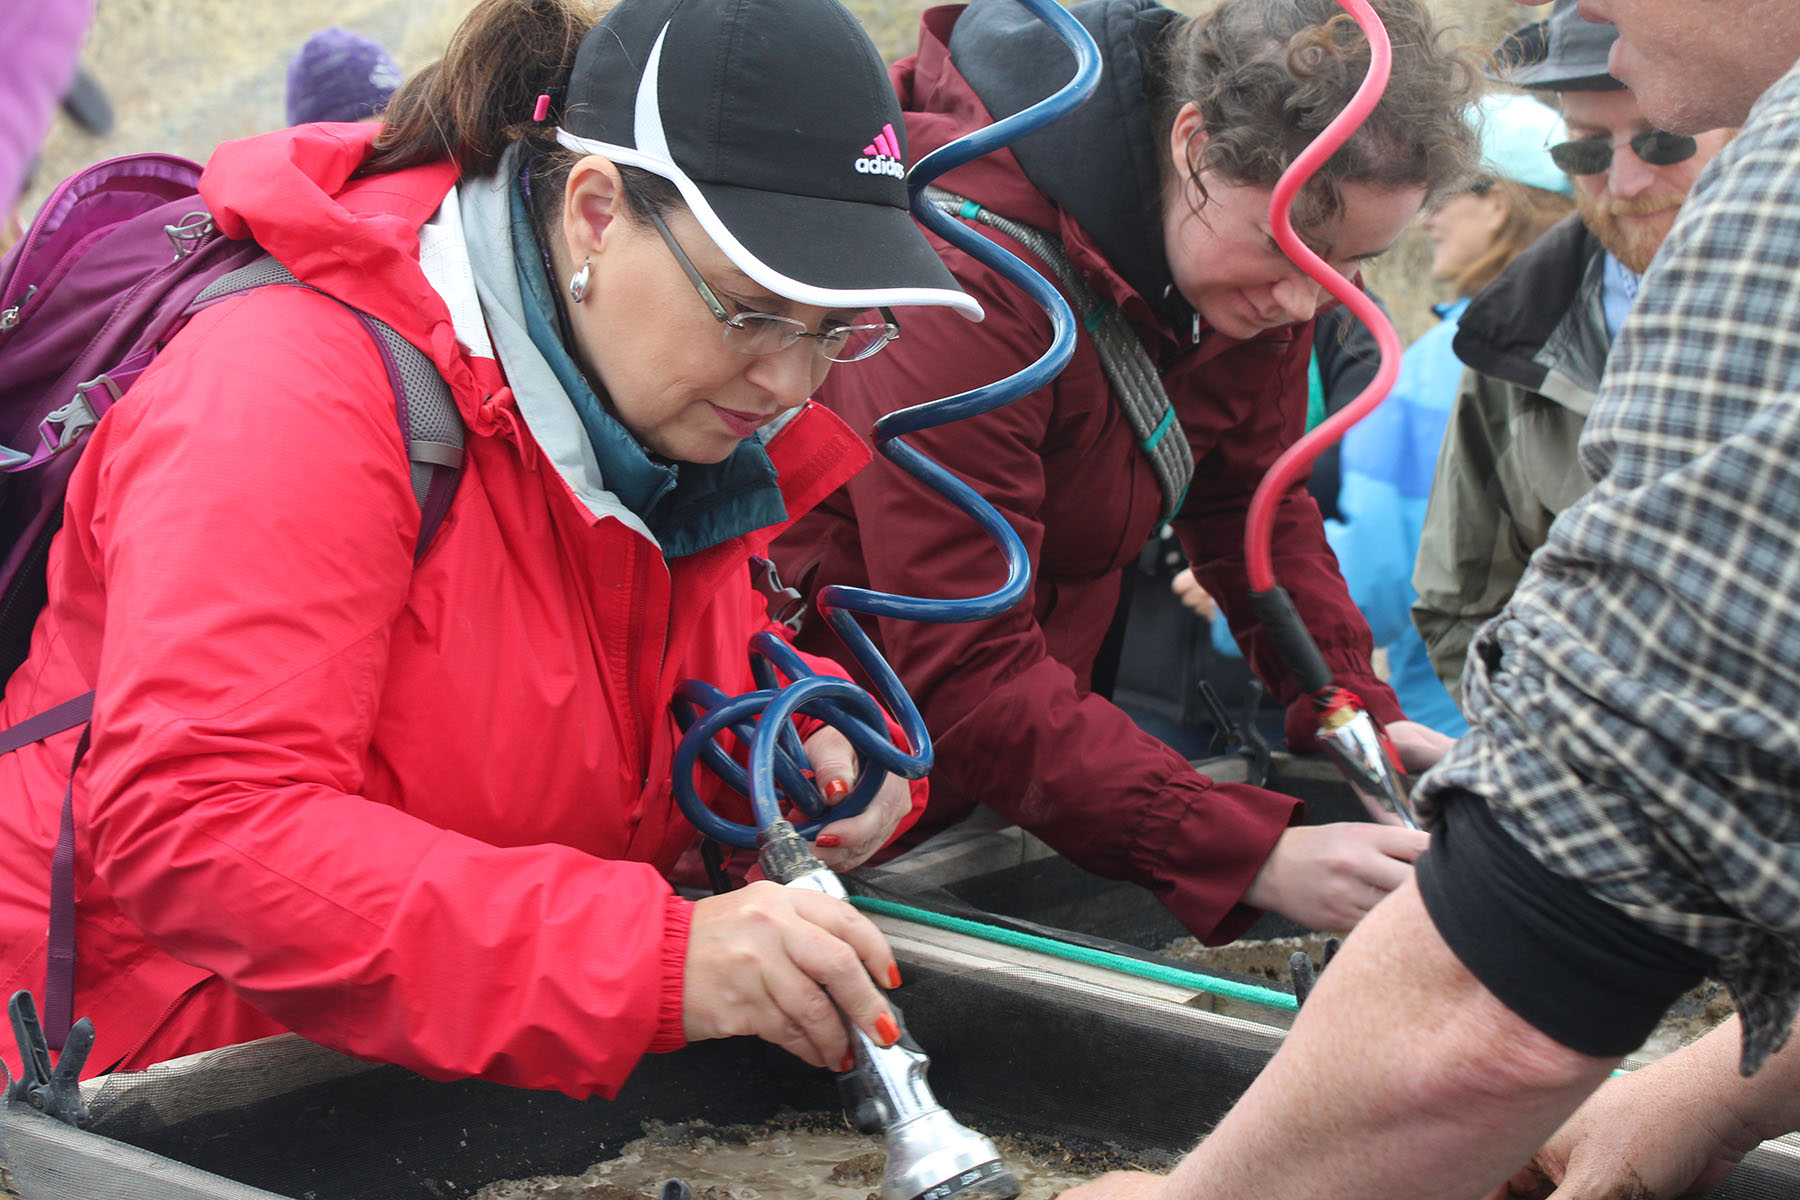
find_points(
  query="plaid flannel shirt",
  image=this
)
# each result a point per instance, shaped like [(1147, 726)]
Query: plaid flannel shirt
[(1637, 703)]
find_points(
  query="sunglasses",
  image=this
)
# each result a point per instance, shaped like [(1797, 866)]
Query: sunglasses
[(1591, 156)]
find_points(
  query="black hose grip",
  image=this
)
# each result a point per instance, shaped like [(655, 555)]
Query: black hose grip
[(784, 854), (1295, 646)]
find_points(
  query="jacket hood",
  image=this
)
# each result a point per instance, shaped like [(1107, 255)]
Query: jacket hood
[(1100, 163), (355, 239), (1538, 325)]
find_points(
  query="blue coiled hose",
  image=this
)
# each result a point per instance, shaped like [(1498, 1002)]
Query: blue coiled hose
[(763, 719)]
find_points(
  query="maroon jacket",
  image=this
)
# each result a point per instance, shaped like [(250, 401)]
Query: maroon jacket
[(1007, 700)]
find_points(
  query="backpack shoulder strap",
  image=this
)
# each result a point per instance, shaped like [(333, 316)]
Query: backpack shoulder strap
[(432, 427), (1135, 381), (66, 715)]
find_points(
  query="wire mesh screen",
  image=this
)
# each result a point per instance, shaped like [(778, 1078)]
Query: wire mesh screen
[(1018, 1048), (1013, 1052), (53, 1161)]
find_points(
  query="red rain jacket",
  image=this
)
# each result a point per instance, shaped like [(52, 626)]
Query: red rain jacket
[(418, 814), (1008, 701)]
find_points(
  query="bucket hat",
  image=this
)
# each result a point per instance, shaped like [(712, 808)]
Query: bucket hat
[(776, 121), (1561, 53)]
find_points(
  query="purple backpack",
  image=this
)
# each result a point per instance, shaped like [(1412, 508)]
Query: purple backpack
[(116, 261)]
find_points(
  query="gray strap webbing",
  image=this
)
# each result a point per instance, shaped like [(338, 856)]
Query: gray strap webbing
[(1134, 378), (434, 434)]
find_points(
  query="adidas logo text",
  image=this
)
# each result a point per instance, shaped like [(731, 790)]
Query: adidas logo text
[(882, 156)]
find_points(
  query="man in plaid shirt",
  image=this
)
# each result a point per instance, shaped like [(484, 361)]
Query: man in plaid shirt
[(1624, 817)]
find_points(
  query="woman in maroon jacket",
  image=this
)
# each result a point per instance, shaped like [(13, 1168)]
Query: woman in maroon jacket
[(1157, 189)]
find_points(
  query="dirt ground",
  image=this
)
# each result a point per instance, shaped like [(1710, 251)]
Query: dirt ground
[(184, 75), (815, 1157)]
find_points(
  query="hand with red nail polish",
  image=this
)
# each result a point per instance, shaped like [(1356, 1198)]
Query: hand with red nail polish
[(780, 963), (848, 843)]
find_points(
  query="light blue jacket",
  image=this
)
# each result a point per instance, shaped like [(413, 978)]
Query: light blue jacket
[(1388, 459)]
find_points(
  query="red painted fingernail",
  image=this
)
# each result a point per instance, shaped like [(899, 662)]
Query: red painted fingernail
[(827, 841), (836, 790), (893, 975), (848, 1063), (886, 1032)]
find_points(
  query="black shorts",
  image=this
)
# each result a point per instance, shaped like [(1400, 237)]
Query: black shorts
[(1573, 967)]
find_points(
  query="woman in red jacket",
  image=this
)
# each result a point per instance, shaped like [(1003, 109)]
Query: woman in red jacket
[(1157, 190), (421, 813)]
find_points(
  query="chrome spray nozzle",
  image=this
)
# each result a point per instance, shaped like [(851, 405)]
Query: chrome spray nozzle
[(1354, 742), (930, 1154), (933, 1156)]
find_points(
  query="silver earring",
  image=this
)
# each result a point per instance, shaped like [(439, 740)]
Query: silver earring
[(578, 286)]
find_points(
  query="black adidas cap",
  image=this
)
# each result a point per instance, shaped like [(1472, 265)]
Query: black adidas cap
[(1561, 53), (776, 120)]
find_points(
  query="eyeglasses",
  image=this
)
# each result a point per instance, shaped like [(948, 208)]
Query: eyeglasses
[(1591, 156), (764, 333)]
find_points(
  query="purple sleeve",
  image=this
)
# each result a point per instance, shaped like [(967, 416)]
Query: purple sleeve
[(42, 39)]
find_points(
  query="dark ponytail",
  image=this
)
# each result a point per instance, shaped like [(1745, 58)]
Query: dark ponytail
[(479, 98)]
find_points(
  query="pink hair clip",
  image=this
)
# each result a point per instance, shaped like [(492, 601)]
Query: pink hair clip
[(543, 107)]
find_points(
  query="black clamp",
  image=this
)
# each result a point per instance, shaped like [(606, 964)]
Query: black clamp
[(1239, 740), (1306, 973), (55, 1093), (716, 859)]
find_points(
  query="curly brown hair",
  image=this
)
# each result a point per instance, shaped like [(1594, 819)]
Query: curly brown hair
[(1269, 75)]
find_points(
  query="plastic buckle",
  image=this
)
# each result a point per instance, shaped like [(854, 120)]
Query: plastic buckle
[(786, 606), (62, 427), (187, 234), (55, 1093)]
